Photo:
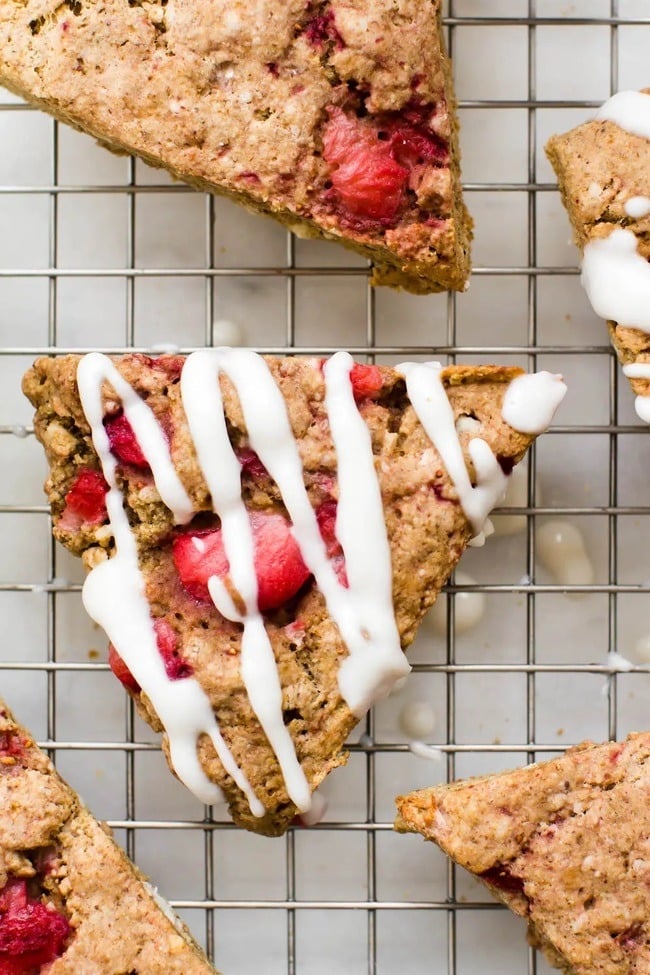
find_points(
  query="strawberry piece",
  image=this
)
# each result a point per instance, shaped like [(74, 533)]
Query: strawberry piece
[(366, 380), (121, 671), (412, 147), (31, 934), (123, 441), (367, 181), (326, 518), (279, 567), (167, 642), (85, 502), (12, 746), (251, 464), (322, 29)]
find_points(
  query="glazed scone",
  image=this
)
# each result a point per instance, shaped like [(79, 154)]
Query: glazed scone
[(336, 118), (71, 903), (565, 844), (603, 169), (285, 527)]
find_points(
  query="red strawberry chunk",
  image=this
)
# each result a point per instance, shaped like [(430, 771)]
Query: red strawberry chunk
[(31, 934), (326, 518), (321, 29), (366, 380), (251, 464), (279, 567), (123, 441), (411, 147), (85, 502), (167, 642), (121, 671), (12, 747), (368, 182)]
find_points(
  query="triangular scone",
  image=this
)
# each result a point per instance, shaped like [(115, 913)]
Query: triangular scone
[(70, 901), (323, 471), (565, 844), (338, 119), (603, 169)]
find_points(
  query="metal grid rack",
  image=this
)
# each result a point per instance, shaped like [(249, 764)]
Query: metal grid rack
[(347, 892)]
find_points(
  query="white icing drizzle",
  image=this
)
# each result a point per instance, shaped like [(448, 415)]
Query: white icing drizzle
[(205, 414), (429, 399), (630, 110), (640, 370), (530, 401), (114, 596), (637, 207), (617, 279), (114, 592)]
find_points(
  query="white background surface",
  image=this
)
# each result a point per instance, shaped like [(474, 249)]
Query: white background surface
[(515, 229)]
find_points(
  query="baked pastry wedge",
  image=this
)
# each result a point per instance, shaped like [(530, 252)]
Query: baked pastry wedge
[(338, 119), (71, 903), (603, 168), (565, 844), (265, 534)]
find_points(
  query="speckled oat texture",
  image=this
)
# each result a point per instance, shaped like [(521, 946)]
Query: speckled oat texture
[(71, 864), (426, 528), (599, 167), (565, 844), (236, 97)]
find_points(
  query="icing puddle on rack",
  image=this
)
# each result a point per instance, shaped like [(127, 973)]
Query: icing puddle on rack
[(114, 591)]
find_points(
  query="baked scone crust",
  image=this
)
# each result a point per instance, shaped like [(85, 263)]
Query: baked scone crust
[(426, 526), (564, 843), (117, 922), (234, 98), (599, 167)]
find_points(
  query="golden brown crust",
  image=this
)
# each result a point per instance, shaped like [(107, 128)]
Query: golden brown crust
[(426, 527), (117, 924), (564, 843), (235, 103)]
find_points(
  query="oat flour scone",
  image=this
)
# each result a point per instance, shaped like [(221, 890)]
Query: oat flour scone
[(271, 539), (336, 118), (565, 844), (70, 901), (603, 168)]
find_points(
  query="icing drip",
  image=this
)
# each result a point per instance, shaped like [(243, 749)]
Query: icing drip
[(617, 279), (206, 419), (429, 399), (637, 207), (114, 592), (640, 370), (531, 401), (114, 596), (630, 110)]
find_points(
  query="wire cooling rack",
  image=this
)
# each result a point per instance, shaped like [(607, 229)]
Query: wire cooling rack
[(101, 252)]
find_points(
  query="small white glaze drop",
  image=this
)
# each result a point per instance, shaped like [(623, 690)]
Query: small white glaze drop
[(640, 370), (531, 400), (561, 549), (318, 809), (617, 662), (429, 752), (225, 332), (417, 719), (642, 648), (469, 608), (617, 279), (516, 497), (637, 207), (630, 110)]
